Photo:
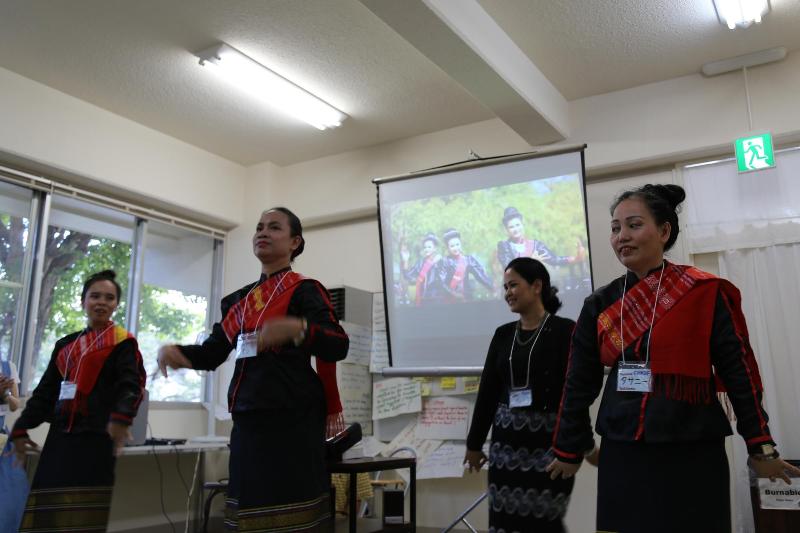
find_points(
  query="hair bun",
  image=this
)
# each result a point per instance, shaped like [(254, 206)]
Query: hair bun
[(673, 194)]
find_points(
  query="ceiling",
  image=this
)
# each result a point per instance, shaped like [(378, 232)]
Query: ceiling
[(589, 47), (133, 58)]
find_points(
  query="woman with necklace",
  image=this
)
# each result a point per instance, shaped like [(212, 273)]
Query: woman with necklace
[(90, 394), (518, 397), (278, 478), (674, 336)]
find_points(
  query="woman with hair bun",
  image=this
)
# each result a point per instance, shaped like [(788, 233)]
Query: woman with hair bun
[(518, 397), (90, 394), (278, 478), (674, 337)]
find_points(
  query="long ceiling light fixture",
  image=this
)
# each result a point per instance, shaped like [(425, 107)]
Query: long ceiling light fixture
[(277, 91), (741, 13)]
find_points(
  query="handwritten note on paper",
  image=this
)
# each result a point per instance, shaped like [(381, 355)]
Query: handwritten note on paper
[(408, 439), (394, 397), (379, 357), (446, 462), (471, 384), (372, 446), (444, 418), (355, 389), (360, 343)]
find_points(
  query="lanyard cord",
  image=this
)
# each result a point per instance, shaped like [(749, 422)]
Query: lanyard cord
[(258, 320), (530, 353), (83, 353), (652, 319)]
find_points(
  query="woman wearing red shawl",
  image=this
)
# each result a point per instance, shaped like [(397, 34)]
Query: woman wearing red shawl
[(89, 393), (278, 480), (674, 337)]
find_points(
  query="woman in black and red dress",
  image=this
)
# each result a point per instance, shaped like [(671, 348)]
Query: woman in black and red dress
[(278, 480)]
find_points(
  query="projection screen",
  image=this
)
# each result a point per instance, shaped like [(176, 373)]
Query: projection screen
[(447, 235)]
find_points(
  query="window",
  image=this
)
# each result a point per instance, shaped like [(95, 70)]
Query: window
[(15, 206), (174, 300), (82, 239), (54, 236)]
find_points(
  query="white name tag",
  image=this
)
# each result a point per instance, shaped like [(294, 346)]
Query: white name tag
[(520, 398), (4, 409), (633, 377), (68, 390), (247, 345)]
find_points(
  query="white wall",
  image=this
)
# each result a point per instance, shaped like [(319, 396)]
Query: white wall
[(47, 127), (686, 117)]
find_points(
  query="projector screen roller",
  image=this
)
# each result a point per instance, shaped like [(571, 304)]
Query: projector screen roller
[(446, 238)]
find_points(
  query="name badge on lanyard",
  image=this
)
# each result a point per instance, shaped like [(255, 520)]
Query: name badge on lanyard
[(634, 377), (247, 345), (520, 397), (4, 409), (68, 390)]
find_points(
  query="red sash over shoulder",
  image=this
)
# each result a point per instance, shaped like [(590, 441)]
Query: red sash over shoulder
[(681, 338), (423, 274), (81, 361), (270, 299)]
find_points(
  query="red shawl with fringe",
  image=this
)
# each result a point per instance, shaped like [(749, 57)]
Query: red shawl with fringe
[(681, 338)]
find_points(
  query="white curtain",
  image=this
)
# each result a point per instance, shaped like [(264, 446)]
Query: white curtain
[(768, 280), (726, 210), (752, 221)]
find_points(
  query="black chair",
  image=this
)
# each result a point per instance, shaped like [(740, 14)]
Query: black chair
[(215, 487)]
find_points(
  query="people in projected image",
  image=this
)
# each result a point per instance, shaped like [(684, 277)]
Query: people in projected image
[(424, 273), (518, 246), (456, 269)]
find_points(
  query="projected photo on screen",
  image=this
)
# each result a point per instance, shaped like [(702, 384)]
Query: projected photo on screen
[(447, 238), (454, 248)]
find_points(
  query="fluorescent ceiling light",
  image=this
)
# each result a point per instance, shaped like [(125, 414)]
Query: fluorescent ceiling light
[(277, 91), (741, 13), (748, 60)]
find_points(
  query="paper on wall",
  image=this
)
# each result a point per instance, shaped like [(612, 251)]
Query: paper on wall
[(447, 461), (396, 396), (372, 446), (355, 389), (444, 418), (408, 438), (379, 354), (360, 343), (425, 386), (471, 384), (448, 383)]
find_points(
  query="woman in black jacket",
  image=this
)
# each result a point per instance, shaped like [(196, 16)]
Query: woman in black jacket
[(90, 394), (518, 397)]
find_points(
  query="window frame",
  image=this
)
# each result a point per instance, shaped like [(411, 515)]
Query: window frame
[(44, 190)]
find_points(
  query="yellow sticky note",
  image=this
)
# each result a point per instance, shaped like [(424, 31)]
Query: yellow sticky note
[(448, 383), (471, 384), (425, 389)]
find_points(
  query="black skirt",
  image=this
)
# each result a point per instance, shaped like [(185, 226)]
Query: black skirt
[(71, 490), (522, 497), (278, 479), (663, 488)]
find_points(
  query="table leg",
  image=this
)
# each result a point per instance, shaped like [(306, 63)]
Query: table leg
[(413, 491), (352, 502)]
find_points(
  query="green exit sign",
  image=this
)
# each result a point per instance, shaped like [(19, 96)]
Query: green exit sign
[(755, 153)]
